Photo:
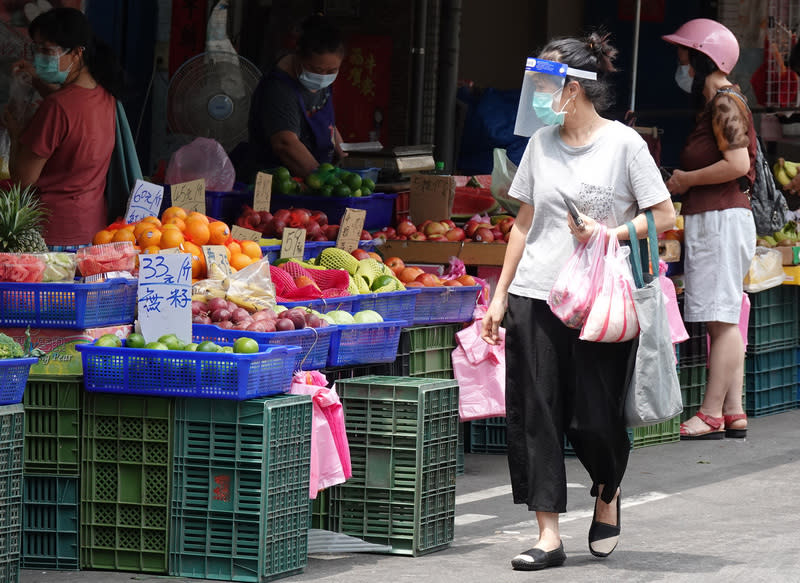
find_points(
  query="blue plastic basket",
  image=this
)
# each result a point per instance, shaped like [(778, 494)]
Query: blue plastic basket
[(311, 250), (379, 206), (314, 343), (13, 378), (442, 305), (371, 173), (353, 344), (325, 305), (168, 373), (391, 305), (225, 205), (68, 305)]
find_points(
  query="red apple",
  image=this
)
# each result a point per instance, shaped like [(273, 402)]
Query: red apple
[(331, 232), (365, 236), (483, 234), (449, 224), (506, 224), (423, 224), (434, 228), (473, 226), (497, 233), (437, 237), (417, 236), (359, 253), (455, 234), (390, 232), (506, 236), (406, 228)]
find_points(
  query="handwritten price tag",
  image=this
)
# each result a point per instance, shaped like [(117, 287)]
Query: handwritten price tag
[(145, 201), (191, 196), (262, 196), (216, 256), (350, 229), (242, 234), (293, 243), (165, 296)]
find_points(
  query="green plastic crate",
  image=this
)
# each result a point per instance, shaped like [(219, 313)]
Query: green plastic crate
[(771, 382), (12, 427), (460, 451), (9, 569), (664, 432), (693, 387), (240, 509), (773, 319), (320, 510), (50, 523), (488, 435), (126, 463), (52, 425), (403, 435), (425, 351)]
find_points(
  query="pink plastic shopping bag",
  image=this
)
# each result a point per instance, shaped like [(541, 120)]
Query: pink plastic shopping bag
[(677, 329), (480, 369)]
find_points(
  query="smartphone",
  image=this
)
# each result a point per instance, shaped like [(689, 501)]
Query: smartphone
[(665, 174), (573, 210)]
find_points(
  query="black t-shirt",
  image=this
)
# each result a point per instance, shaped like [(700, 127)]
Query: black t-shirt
[(274, 108)]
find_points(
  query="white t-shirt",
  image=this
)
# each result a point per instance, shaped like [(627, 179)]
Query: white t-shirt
[(610, 180)]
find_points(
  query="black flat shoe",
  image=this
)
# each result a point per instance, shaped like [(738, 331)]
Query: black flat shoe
[(603, 537), (535, 559)]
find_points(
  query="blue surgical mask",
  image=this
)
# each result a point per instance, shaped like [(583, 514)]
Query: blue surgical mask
[(683, 78), (47, 68), (315, 81), (543, 108)]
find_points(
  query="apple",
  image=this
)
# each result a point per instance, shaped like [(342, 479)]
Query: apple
[(506, 236), (466, 279), (390, 232), (437, 237), (359, 253), (449, 224), (365, 236), (497, 234), (428, 280), (417, 237), (320, 218), (453, 283), (331, 232), (506, 224), (434, 228), (456, 234), (406, 228), (483, 234)]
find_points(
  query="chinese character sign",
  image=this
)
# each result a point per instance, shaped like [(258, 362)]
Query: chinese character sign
[(145, 201), (165, 296)]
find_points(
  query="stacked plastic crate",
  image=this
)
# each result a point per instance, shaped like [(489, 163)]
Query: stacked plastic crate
[(771, 363), (240, 508), (403, 434), (12, 419)]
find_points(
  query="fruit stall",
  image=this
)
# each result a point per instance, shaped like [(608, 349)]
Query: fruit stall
[(170, 377)]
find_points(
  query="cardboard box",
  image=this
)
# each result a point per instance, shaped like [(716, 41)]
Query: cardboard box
[(790, 255), (422, 251), (431, 197), (61, 358)]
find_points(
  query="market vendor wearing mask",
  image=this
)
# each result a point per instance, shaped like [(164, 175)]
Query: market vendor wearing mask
[(66, 147), (292, 119)]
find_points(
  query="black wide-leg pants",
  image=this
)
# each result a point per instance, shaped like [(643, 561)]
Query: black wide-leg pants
[(556, 385)]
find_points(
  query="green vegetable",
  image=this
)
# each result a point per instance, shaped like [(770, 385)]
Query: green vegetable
[(59, 267), (9, 348)]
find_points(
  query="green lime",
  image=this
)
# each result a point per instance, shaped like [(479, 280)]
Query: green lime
[(226, 349), (245, 345), (326, 167), (326, 190), (285, 186), (367, 184), (333, 180), (171, 341), (207, 346), (357, 192), (282, 173), (352, 180), (191, 347), (135, 340), (365, 191), (315, 181), (342, 191), (108, 341), (382, 281), (280, 261), (156, 346)]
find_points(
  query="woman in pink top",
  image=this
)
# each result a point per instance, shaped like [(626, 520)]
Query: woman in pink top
[(66, 148)]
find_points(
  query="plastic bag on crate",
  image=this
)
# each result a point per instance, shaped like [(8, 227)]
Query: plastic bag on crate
[(503, 173), (677, 329), (330, 450), (480, 369), (250, 288), (577, 283), (766, 270), (612, 317), (202, 158)]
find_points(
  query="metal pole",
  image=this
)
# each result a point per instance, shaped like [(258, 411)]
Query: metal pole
[(636, 24), (417, 72), (449, 46)]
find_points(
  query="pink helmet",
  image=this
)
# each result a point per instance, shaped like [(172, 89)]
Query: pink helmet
[(710, 38)]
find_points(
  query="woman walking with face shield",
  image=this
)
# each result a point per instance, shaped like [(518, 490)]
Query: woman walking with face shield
[(557, 384)]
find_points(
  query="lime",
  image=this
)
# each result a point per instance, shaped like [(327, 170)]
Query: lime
[(315, 181), (326, 190), (226, 349), (282, 173), (326, 167), (108, 341), (191, 347), (245, 345), (333, 180), (352, 180), (135, 340), (357, 192), (171, 341), (367, 184), (285, 186), (156, 346), (342, 191), (381, 281), (207, 346)]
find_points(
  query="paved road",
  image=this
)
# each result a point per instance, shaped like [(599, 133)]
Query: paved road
[(692, 512)]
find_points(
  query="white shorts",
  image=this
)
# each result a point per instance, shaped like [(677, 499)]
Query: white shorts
[(719, 246)]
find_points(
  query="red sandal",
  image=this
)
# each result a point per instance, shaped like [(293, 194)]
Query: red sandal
[(735, 432), (717, 425)]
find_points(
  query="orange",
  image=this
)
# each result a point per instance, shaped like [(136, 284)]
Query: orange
[(197, 231), (171, 238), (130, 227), (173, 211), (152, 249), (240, 261), (123, 235), (219, 233), (199, 216), (234, 248), (251, 249), (141, 227), (153, 220), (149, 237), (178, 222), (198, 259), (102, 237)]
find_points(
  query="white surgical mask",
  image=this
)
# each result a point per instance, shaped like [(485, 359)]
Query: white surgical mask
[(315, 81), (683, 78)]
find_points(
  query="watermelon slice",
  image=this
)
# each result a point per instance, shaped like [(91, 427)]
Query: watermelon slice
[(472, 201), (118, 256), (21, 267)]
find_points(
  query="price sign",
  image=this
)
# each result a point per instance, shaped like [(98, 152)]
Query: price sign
[(170, 251), (262, 196), (242, 234), (293, 243), (165, 296), (191, 196), (145, 201), (350, 229), (216, 261)]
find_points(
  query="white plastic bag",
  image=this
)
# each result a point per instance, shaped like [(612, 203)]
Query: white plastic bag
[(203, 158), (503, 173), (766, 270)]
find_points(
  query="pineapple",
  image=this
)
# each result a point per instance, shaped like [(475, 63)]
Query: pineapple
[(21, 217)]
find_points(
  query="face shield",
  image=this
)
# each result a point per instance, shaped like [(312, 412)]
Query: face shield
[(539, 100)]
